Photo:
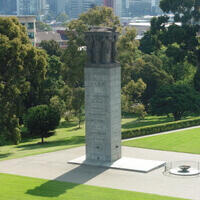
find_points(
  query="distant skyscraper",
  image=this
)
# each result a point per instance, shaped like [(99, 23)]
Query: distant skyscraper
[(30, 7), (116, 5), (109, 3), (118, 8), (8, 7), (57, 6), (125, 8), (76, 7), (157, 9), (91, 3)]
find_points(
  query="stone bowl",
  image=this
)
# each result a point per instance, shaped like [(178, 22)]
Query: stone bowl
[(184, 168)]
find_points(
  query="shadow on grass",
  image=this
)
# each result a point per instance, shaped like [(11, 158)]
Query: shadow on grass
[(4, 155), (69, 141), (145, 122), (65, 124), (67, 181)]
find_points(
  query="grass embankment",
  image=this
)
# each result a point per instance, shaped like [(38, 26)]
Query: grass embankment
[(69, 136), (186, 141), (18, 187)]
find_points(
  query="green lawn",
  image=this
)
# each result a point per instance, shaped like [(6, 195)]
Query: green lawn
[(68, 136), (18, 188), (64, 138), (182, 141)]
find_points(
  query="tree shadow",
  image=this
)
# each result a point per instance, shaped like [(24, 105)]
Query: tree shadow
[(75, 140), (72, 179), (4, 155), (65, 124), (145, 122)]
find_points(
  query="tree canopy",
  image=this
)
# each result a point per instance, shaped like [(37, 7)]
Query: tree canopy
[(20, 62), (41, 26), (42, 119), (51, 47), (175, 99), (62, 17)]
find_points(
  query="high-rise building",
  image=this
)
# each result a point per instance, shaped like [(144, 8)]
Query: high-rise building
[(30, 7), (91, 3), (75, 8), (118, 8), (57, 6), (125, 8), (155, 7), (8, 7), (116, 5), (109, 3)]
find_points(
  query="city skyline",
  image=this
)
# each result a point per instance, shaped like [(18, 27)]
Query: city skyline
[(73, 8)]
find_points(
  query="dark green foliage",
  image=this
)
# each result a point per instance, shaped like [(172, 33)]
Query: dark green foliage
[(175, 99), (146, 44), (49, 17), (149, 68), (181, 40), (62, 17), (78, 104), (41, 26), (20, 63), (74, 57), (148, 130), (100, 15), (197, 80), (40, 120), (41, 92), (51, 47)]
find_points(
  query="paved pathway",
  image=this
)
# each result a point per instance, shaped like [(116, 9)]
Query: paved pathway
[(54, 166)]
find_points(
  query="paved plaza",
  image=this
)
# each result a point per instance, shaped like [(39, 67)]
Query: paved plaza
[(54, 166)]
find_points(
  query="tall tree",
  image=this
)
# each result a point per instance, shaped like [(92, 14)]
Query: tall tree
[(75, 55), (179, 37), (41, 26), (62, 17), (19, 63), (149, 69), (127, 47), (42, 119), (175, 99), (51, 47), (42, 91), (100, 16)]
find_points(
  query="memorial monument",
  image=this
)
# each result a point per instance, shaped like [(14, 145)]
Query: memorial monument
[(102, 96), (103, 105)]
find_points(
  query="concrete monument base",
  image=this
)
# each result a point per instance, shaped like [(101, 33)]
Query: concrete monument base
[(124, 163)]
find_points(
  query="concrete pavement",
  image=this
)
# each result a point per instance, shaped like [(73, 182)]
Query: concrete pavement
[(54, 166)]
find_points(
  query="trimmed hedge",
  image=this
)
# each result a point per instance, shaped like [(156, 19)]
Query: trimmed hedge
[(148, 130)]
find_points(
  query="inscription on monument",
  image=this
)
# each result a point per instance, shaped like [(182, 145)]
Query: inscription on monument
[(102, 96)]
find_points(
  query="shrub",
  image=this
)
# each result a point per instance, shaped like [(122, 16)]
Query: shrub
[(40, 120), (147, 130)]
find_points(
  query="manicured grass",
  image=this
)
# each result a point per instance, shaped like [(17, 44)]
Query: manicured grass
[(181, 141), (25, 188), (64, 138), (129, 121), (68, 136)]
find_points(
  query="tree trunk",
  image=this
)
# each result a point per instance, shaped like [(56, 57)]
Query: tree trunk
[(177, 116), (42, 139), (198, 64), (79, 123)]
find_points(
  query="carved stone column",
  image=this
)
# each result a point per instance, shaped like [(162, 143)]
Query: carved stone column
[(102, 96)]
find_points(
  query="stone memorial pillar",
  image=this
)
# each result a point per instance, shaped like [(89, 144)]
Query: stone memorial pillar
[(102, 96)]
